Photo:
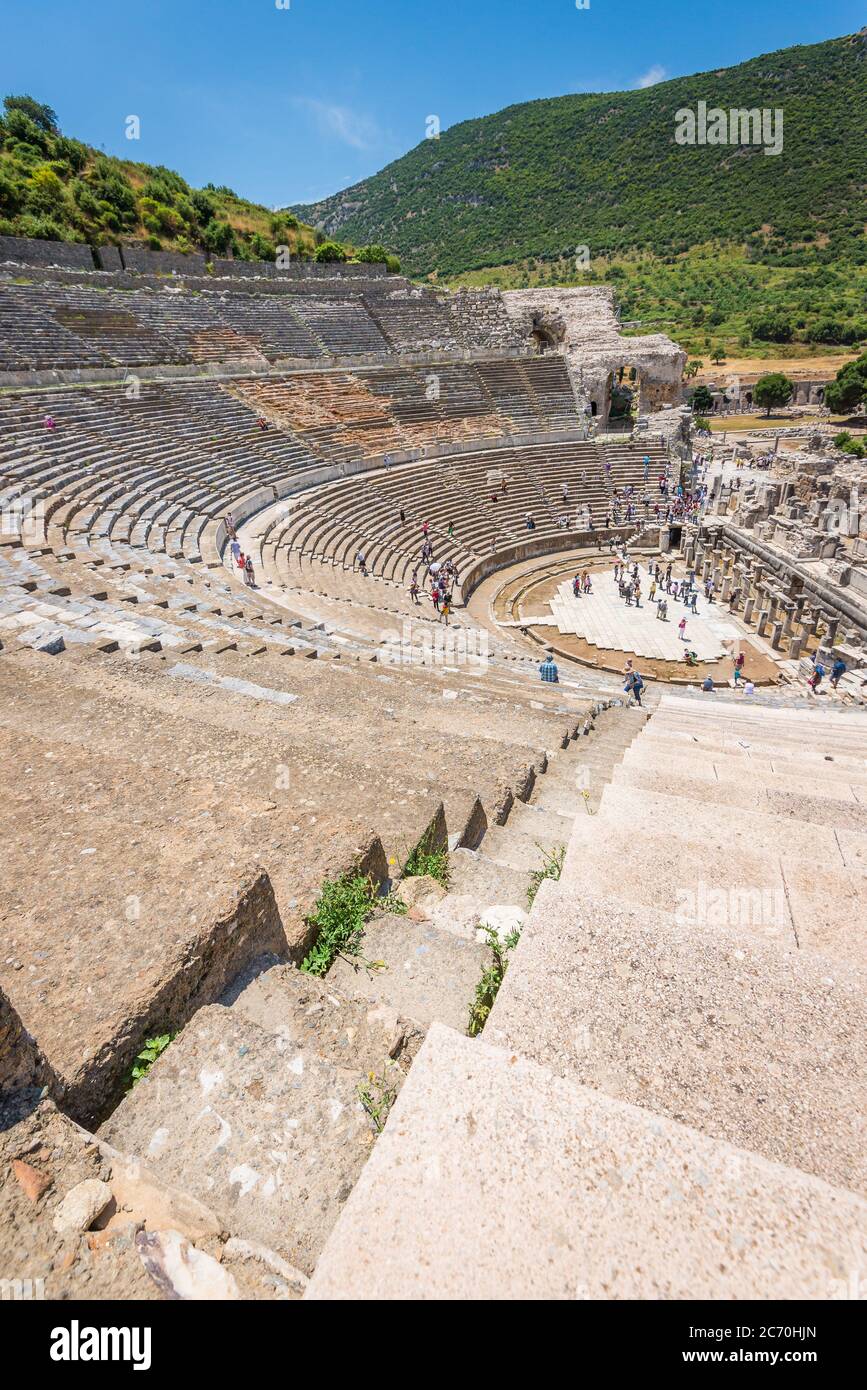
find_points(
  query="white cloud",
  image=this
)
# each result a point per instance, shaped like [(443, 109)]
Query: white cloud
[(654, 74), (350, 127)]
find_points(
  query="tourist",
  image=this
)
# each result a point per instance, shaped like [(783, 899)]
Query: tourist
[(262, 422), (740, 661), (576, 587), (240, 560), (230, 525), (588, 583), (425, 527), (693, 600), (435, 597), (565, 491), (681, 628), (48, 422), (707, 683), (531, 525), (249, 576), (837, 670), (652, 591), (446, 609), (235, 549), (361, 561), (637, 593), (816, 678), (402, 517), (749, 688), (548, 670), (451, 530), (634, 686), (413, 587)]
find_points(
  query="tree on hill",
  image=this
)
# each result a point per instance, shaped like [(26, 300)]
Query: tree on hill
[(329, 251), (773, 389), (692, 368), (772, 328), (36, 111), (718, 354), (848, 390), (374, 252), (702, 399)]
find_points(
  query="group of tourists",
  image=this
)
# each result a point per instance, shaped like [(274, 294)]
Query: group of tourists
[(243, 563), (662, 587), (439, 579), (817, 675)]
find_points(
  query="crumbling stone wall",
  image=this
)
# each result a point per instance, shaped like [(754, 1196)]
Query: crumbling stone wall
[(481, 320), (583, 325), (30, 251)]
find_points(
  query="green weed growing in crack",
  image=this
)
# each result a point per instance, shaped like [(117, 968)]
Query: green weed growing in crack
[(552, 867), (393, 903), (427, 861), (377, 1097), (341, 910), (492, 977), (153, 1048)]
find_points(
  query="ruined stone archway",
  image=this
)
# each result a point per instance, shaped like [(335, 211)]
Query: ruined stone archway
[(547, 332)]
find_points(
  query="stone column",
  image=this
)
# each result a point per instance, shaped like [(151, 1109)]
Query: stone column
[(776, 634), (726, 588), (748, 609), (795, 644), (762, 623)]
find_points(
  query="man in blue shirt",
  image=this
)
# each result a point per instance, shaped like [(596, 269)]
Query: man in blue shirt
[(548, 670)]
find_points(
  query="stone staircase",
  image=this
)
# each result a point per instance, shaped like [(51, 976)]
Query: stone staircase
[(667, 1099), (267, 1105)]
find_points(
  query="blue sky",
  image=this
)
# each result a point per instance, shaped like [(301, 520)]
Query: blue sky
[(290, 104)]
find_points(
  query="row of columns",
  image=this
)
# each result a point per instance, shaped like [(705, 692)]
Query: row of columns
[(740, 581)]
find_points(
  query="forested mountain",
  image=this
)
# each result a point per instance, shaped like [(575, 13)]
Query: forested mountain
[(605, 171)]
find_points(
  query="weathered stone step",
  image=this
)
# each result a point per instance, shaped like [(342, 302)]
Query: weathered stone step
[(674, 1015), (268, 1133), (821, 806), (566, 799), (413, 968), (801, 902), (519, 848), (616, 1201), (311, 1013), (485, 879), (534, 818)]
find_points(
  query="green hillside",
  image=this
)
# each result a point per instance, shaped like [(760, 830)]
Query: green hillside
[(541, 178), (55, 187)]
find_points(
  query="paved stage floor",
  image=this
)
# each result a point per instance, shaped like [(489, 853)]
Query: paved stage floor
[(603, 619)]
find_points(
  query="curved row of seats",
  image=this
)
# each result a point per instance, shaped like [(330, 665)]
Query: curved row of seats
[(153, 463), (65, 325), (331, 523)]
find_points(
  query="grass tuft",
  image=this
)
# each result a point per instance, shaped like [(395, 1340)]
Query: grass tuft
[(552, 867), (341, 910), (424, 861), (492, 977)]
